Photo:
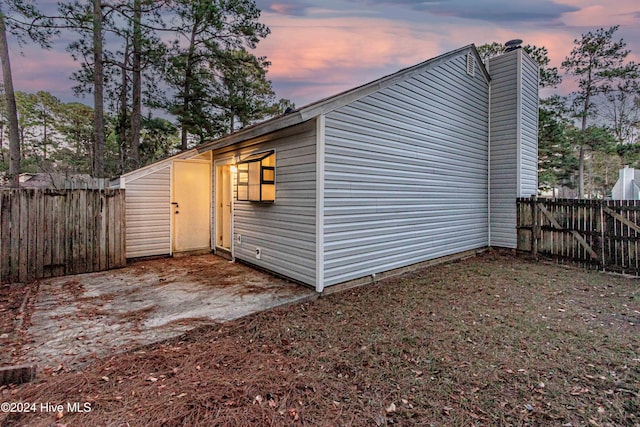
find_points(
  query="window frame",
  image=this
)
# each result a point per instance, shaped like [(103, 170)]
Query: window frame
[(245, 179)]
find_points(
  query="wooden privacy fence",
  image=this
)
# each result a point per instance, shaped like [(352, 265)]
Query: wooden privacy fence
[(45, 233), (603, 234)]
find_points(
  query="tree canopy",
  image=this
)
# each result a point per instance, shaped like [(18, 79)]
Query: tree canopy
[(583, 138), (188, 59), (167, 74), (598, 62)]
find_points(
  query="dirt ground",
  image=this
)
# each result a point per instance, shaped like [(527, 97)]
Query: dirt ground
[(13, 304), (72, 320), (492, 340)]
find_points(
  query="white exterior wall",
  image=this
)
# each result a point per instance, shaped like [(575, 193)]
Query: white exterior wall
[(514, 141), (148, 203), (148, 216), (285, 231), (626, 188), (406, 173)]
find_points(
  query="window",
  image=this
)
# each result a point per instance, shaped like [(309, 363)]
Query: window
[(256, 180)]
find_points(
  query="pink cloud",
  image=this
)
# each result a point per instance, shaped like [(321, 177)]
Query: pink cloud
[(341, 53), (300, 48), (286, 8), (47, 70), (602, 16), (594, 14)]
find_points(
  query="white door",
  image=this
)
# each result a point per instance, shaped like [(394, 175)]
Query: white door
[(223, 206), (191, 205)]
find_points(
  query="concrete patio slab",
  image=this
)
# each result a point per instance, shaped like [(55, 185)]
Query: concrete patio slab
[(79, 318)]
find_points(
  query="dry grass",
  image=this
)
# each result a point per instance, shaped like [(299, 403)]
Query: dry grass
[(493, 340)]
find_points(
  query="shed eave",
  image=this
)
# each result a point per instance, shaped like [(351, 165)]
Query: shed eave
[(251, 132), (151, 166)]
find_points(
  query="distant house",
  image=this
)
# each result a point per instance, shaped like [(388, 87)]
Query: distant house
[(628, 185), (53, 180), (421, 164)]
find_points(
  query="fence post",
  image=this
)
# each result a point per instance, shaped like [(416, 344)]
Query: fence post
[(602, 233), (534, 226)]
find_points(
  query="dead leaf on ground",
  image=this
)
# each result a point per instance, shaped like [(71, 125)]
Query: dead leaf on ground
[(293, 413)]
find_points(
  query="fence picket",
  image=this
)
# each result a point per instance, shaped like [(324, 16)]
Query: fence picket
[(591, 233), (46, 232), (635, 241)]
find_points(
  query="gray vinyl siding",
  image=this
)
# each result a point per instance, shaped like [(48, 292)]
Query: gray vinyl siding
[(406, 173), (529, 129), (148, 213), (285, 230), (503, 153), (513, 145)]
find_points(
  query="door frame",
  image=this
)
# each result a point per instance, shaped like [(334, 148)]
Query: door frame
[(217, 163), (172, 198)]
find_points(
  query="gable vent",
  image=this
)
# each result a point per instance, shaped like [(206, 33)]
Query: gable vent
[(471, 64)]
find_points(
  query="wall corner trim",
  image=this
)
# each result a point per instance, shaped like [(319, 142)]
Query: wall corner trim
[(320, 164), (489, 164), (519, 125)]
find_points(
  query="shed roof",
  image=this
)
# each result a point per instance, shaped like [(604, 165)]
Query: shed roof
[(192, 152), (334, 102)]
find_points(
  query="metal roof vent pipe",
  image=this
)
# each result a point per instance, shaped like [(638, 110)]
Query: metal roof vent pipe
[(512, 45)]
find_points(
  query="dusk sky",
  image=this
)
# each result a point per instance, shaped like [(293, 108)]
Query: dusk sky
[(322, 47)]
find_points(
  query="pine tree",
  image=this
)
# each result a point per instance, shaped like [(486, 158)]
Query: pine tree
[(35, 27), (594, 61)]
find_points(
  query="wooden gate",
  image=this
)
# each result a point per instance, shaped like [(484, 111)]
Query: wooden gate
[(45, 233), (603, 234)]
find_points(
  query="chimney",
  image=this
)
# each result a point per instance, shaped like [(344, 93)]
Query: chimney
[(514, 44), (513, 142)]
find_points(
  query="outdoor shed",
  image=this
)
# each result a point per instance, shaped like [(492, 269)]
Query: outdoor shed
[(421, 164), (153, 197)]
